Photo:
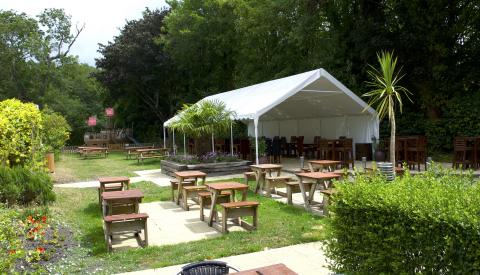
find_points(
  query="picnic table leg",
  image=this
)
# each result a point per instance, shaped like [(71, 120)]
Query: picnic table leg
[(304, 195), (212, 208), (179, 190), (146, 232), (311, 167), (258, 175), (312, 192)]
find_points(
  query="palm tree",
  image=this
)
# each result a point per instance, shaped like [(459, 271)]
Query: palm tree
[(386, 93), (208, 117)]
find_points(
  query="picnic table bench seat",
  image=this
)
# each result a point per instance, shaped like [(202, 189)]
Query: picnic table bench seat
[(205, 200), (125, 224), (294, 187), (237, 210), (191, 191), (174, 185)]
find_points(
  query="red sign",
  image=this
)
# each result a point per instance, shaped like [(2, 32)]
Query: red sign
[(92, 121), (109, 112)]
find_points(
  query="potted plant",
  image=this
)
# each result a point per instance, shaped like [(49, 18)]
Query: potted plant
[(262, 149), (378, 149)]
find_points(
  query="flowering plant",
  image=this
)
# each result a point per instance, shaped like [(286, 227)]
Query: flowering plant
[(35, 227), (209, 157)]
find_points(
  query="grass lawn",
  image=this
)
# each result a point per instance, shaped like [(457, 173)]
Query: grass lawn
[(279, 225), (72, 168)]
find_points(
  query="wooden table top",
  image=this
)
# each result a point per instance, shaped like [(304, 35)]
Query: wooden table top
[(113, 179), (325, 162), (126, 194), (93, 148), (276, 269), (319, 175), (185, 174), (139, 147), (226, 185), (151, 149), (266, 166)]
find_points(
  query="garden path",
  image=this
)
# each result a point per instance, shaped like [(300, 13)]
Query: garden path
[(307, 258)]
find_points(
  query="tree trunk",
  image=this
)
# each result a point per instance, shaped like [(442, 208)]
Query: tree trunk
[(392, 139)]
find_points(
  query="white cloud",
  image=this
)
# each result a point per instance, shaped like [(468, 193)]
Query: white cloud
[(102, 18)]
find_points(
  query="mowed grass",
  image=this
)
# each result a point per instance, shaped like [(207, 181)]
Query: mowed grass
[(279, 225), (73, 168)]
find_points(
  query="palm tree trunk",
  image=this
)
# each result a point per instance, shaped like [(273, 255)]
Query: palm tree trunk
[(392, 139)]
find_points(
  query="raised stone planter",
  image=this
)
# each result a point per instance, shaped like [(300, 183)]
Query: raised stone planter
[(212, 169)]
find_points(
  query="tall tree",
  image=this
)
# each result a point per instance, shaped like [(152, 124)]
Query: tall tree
[(140, 78)]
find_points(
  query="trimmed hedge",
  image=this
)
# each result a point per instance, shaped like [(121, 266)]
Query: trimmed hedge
[(19, 185), (426, 223)]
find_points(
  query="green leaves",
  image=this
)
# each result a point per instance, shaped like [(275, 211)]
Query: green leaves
[(20, 126), (204, 118), (386, 93), (422, 223)]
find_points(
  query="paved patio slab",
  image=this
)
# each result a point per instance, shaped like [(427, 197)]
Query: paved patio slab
[(307, 259)]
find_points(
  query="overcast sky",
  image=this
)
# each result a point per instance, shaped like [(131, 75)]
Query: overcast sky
[(102, 18)]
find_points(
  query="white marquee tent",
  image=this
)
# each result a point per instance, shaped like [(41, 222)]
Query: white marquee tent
[(309, 104)]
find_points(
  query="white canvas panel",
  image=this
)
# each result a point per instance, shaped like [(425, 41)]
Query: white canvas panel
[(333, 127), (269, 128), (309, 128), (288, 128)]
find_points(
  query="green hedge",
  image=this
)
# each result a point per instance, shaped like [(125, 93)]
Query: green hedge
[(428, 224), (19, 185)]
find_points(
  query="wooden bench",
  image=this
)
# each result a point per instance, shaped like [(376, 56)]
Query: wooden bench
[(191, 192), (205, 200), (174, 185), (294, 187), (249, 176), (234, 210), (274, 182), (123, 224)]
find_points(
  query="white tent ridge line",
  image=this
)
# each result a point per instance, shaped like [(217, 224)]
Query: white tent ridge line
[(271, 100)]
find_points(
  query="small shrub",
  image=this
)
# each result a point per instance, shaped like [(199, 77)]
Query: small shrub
[(55, 130), (20, 185), (20, 126), (427, 223)]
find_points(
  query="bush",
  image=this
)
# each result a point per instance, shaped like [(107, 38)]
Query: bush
[(20, 125), (427, 223), (20, 185), (55, 130)]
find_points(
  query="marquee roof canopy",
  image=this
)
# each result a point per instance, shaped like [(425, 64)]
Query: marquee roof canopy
[(311, 94)]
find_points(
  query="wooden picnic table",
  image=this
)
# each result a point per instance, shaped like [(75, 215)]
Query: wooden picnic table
[(112, 184), (133, 150), (319, 165), (261, 170), (276, 269), (318, 178), (85, 150), (150, 153), (127, 201), (217, 188), (184, 175)]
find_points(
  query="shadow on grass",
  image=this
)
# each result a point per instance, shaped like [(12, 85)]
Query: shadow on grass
[(93, 210)]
